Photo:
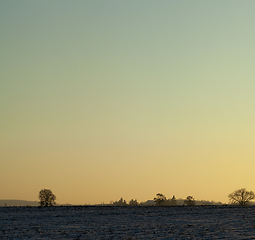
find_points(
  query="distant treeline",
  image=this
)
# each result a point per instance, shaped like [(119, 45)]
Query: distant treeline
[(161, 200), (133, 202), (47, 198)]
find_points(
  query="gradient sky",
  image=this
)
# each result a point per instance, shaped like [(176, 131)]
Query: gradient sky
[(107, 99)]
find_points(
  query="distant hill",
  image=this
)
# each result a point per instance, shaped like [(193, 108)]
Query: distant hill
[(10, 203), (148, 203)]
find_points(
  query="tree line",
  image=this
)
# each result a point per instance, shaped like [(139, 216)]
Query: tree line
[(241, 197), (160, 200)]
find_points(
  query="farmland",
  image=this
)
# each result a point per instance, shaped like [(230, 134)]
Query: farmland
[(107, 222)]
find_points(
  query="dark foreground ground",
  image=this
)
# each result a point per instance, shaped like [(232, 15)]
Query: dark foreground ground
[(202, 222)]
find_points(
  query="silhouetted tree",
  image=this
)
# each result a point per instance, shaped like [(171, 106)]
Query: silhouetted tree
[(189, 201), (121, 202), (133, 202), (159, 199), (47, 198), (173, 201), (241, 196), (170, 202)]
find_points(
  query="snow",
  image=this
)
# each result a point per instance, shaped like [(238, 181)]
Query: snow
[(94, 222)]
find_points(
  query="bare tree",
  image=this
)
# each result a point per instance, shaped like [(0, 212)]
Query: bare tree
[(189, 201), (159, 199), (47, 198), (241, 196)]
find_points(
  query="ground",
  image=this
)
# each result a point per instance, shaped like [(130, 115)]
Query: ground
[(94, 222)]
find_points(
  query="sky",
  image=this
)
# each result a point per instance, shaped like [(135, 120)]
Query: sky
[(107, 99)]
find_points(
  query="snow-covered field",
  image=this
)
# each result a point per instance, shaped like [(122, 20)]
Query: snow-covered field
[(94, 222)]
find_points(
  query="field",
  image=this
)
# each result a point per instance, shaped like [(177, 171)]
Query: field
[(94, 222)]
